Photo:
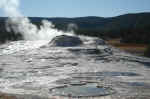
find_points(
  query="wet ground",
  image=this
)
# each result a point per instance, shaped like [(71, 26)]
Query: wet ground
[(29, 71)]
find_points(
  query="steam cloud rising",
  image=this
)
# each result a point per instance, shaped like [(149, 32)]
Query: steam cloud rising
[(21, 24)]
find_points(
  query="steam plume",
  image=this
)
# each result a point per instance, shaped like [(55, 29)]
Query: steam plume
[(21, 24)]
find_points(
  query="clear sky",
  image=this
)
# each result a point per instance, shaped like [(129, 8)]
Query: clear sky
[(79, 8)]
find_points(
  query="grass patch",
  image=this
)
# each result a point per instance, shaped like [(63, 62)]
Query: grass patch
[(138, 49)]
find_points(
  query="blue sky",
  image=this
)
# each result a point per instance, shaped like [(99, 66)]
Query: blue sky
[(79, 8)]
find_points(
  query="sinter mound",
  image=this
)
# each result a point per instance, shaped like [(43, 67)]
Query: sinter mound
[(66, 41)]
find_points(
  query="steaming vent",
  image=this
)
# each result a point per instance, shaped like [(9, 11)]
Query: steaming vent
[(66, 41)]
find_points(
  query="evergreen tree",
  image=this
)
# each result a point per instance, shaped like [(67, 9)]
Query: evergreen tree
[(147, 52)]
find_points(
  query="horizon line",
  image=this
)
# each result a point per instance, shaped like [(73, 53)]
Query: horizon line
[(79, 16)]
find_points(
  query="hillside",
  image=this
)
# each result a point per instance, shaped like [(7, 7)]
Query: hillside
[(126, 26)]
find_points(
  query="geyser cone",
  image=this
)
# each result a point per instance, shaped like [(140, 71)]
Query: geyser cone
[(66, 41)]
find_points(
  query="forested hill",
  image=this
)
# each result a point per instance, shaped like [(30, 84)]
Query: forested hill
[(130, 27)]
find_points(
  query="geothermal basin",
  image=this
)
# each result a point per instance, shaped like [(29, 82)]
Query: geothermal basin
[(90, 69)]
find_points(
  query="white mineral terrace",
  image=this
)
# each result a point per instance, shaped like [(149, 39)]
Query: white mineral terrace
[(34, 69)]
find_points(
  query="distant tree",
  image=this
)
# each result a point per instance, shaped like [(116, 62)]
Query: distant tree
[(131, 28), (147, 52)]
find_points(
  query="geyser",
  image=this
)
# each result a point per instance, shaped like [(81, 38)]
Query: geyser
[(66, 41), (18, 23)]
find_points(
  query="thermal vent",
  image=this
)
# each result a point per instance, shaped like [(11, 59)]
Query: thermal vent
[(66, 41)]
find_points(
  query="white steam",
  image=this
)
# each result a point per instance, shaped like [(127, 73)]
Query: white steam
[(21, 24), (72, 27)]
